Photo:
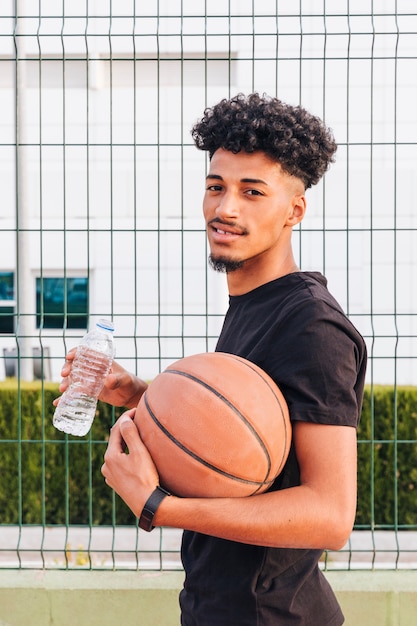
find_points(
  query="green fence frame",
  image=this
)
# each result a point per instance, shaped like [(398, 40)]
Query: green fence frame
[(90, 94)]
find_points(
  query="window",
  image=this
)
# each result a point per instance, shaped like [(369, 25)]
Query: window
[(60, 300), (7, 302)]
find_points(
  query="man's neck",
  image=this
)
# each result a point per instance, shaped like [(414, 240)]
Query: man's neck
[(245, 279)]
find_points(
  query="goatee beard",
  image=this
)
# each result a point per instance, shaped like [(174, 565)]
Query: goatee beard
[(224, 265)]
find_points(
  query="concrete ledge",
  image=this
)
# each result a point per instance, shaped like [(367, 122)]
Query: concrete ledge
[(377, 598), (102, 598), (89, 598)]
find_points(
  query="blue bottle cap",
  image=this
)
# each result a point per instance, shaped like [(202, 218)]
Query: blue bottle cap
[(105, 324)]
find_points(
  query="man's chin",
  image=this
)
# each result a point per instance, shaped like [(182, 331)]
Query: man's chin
[(224, 265)]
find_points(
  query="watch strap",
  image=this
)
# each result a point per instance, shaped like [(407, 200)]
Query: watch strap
[(150, 508)]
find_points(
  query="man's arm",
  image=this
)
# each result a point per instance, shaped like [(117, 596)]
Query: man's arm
[(317, 514)]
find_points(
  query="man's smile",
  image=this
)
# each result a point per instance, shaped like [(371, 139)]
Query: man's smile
[(225, 231)]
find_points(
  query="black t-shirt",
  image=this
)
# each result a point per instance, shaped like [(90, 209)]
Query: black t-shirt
[(295, 330)]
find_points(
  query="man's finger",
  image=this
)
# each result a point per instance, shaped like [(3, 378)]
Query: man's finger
[(116, 442), (129, 431)]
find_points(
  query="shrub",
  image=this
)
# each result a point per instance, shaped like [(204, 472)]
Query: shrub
[(387, 458), (50, 478)]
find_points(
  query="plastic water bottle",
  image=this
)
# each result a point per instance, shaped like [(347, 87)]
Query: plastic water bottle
[(77, 406)]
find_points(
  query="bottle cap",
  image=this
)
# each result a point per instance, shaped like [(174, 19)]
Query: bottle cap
[(105, 324)]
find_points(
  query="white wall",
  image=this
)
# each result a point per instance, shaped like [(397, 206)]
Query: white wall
[(115, 185)]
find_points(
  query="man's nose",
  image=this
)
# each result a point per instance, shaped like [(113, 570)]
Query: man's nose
[(228, 207)]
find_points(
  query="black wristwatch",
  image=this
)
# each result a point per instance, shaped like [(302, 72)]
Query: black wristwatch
[(150, 508)]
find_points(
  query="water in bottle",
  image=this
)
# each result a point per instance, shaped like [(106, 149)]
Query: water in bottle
[(77, 406)]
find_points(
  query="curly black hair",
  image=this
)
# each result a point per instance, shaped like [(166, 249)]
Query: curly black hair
[(290, 135)]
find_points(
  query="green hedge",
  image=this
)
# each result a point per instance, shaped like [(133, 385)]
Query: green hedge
[(387, 458), (49, 478)]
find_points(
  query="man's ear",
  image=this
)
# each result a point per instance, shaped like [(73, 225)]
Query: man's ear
[(297, 211)]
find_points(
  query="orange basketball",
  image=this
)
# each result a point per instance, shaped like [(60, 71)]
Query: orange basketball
[(216, 425)]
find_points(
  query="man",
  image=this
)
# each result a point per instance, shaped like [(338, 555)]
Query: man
[(254, 561)]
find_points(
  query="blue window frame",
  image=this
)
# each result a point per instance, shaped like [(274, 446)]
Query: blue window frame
[(62, 302), (7, 302)]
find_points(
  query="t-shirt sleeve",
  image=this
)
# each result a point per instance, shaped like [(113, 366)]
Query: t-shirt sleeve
[(316, 365)]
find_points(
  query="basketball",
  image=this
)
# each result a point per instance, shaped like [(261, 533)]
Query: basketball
[(216, 425)]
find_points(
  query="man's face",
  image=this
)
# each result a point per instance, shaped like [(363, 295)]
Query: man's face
[(250, 206)]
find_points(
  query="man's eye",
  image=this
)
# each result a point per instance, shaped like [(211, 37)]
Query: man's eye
[(254, 192), (214, 188)]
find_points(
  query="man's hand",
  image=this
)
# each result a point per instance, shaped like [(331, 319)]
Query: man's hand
[(128, 467), (120, 389)]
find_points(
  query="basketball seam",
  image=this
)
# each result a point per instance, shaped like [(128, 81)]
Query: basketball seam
[(202, 461), (248, 364), (231, 406)]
